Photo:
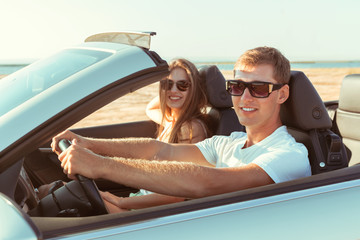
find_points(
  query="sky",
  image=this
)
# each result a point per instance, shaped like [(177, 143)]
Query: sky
[(199, 30)]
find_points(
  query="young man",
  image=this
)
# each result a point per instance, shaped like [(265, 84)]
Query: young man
[(265, 154)]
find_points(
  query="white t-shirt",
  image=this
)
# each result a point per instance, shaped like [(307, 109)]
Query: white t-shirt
[(279, 155)]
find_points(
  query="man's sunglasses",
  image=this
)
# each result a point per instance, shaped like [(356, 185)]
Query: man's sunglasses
[(167, 84), (256, 89)]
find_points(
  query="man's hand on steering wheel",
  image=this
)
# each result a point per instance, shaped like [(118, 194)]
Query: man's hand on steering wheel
[(88, 185)]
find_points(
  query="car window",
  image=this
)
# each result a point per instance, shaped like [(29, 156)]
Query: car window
[(128, 108)]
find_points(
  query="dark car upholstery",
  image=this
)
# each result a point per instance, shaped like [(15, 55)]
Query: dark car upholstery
[(307, 119), (348, 116), (303, 113), (226, 120)]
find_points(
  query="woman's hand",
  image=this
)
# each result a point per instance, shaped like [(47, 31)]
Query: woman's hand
[(112, 202)]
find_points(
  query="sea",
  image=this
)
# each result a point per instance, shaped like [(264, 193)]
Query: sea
[(10, 68), (294, 65)]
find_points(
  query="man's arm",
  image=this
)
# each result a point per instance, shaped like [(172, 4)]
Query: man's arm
[(143, 148), (186, 179), (136, 148), (187, 174)]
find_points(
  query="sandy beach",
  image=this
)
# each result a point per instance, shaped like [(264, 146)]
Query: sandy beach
[(131, 107)]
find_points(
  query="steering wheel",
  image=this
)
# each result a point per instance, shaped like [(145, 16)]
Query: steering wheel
[(88, 185)]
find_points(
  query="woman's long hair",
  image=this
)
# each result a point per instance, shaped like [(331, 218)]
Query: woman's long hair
[(194, 105)]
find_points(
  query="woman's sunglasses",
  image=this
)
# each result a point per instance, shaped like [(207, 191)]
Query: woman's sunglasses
[(256, 89), (167, 84)]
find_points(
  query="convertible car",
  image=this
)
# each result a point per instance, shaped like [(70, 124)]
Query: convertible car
[(53, 94)]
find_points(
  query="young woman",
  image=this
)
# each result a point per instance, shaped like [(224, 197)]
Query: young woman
[(181, 106), (180, 111)]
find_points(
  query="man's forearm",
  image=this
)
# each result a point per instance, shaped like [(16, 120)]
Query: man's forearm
[(139, 148), (181, 179)]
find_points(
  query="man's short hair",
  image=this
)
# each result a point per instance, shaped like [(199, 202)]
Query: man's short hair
[(267, 55)]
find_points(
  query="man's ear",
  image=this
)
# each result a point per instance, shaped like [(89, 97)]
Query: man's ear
[(283, 94)]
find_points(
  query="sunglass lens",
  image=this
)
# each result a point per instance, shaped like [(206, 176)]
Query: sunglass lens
[(236, 88), (182, 85), (259, 89), (166, 84)]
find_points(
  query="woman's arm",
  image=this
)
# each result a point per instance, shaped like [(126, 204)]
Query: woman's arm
[(192, 132), (138, 202), (153, 110)]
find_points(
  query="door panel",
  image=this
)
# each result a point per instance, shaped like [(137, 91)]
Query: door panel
[(131, 129)]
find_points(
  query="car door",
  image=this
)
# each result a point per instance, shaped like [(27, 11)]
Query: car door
[(323, 206)]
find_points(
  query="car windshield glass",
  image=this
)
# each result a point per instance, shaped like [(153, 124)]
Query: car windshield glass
[(36, 78)]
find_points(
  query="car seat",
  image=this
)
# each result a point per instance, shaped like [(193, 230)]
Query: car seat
[(307, 120), (348, 116), (304, 114), (224, 118)]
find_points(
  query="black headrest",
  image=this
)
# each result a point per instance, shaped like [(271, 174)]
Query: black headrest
[(215, 86), (304, 109)]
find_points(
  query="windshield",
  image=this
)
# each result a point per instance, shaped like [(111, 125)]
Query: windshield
[(36, 78)]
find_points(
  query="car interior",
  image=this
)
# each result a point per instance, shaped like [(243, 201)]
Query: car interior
[(225, 119), (307, 119), (304, 113)]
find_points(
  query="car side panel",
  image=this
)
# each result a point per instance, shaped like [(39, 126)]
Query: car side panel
[(330, 212)]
